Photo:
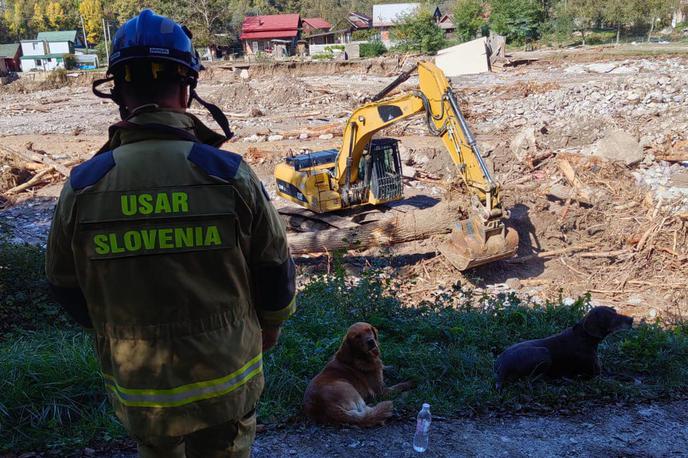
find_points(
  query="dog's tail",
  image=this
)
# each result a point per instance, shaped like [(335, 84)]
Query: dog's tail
[(366, 415)]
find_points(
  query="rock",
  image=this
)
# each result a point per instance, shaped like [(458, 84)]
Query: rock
[(303, 136), (408, 172), (617, 145), (256, 112), (244, 74), (326, 137), (275, 138), (255, 138), (575, 70), (601, 67), (405, 155), (561, 192), (625, 71), (524, 143), (634, 97)]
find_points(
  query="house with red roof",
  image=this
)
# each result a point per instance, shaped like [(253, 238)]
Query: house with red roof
[(269, 33), (317, 31)]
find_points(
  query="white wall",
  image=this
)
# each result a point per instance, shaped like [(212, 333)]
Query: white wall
[(59, 47), (30, 64), (33, 48)]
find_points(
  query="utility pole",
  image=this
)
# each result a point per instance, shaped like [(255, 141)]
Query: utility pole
[(107, 45), (83, 29)]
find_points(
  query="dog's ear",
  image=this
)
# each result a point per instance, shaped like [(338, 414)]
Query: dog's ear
[(375, 332)]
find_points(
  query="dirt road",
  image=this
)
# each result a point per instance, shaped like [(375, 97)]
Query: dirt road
[(652, 430)]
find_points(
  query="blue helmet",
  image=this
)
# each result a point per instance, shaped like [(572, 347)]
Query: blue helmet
[(150, 36)]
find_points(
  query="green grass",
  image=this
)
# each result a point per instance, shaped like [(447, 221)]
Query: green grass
[(51, 395)]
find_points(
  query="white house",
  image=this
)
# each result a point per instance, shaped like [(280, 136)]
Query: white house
[(48, 50), (388, 15)]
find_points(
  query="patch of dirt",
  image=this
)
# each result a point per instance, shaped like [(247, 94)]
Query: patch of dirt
[(645, 430)]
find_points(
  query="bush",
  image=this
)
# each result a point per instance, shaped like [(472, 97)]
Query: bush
[(69, 61), (419, 33), (468, 18), (365, 35), (373, 49)]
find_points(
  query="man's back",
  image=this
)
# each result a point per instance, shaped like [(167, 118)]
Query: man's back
[(169, 240)]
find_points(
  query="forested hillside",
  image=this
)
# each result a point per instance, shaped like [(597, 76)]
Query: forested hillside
[(219, 21)]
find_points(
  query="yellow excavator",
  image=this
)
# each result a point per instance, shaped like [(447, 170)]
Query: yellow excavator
[(367, 170)]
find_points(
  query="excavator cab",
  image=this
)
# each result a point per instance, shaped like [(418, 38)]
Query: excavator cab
[(381, 168)]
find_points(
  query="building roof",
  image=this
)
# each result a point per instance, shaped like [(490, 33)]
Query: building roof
[(272, 26), (390, 14), (360, 21), (43, 56), (318, 23), (9, 50), (447, 22), (62, 35)]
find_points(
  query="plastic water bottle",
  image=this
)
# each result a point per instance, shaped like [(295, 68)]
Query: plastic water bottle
[(420, 440)]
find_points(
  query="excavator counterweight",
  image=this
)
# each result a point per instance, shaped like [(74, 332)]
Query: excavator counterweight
[(367, 170)]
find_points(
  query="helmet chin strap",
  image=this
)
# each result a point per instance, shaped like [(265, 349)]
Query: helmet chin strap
[(215, 112)]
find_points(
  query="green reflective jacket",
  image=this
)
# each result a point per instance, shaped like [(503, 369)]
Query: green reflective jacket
[(180, 256)]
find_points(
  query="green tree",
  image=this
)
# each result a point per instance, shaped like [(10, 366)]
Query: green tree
[(586, 14), (620, 12), (656, 11), (16, 19), (419, 32), (517, 20), (468, 18)]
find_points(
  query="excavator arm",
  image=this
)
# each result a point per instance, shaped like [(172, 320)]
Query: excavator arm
[(481, 238)]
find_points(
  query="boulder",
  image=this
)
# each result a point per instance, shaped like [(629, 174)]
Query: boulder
[(275, 138), (524, 143), (617, 145), (326, 137)]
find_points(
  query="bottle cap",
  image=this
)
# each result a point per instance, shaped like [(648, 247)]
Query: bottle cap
[(426, 405)]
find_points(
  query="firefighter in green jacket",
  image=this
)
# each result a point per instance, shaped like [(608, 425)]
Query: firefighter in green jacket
[(170, 250)]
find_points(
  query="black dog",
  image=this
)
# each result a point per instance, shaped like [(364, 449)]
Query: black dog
[(570, 353)]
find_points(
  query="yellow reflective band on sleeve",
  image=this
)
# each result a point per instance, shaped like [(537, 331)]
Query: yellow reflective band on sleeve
[(186, 394), (279, 315)]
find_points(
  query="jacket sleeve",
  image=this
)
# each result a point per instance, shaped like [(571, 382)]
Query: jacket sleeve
[(273, 273), (59, 263)]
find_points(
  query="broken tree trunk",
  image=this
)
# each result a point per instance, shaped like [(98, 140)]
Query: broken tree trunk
[(33, 156), (399, 228)]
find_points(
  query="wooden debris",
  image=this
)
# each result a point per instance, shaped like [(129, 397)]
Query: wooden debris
[(584, 195), (33, 156), (37, 178)]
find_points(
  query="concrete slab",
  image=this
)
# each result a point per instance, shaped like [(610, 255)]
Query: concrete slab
[(464, 59)]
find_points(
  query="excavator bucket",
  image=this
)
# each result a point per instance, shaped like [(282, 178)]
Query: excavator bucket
[(472, 244)]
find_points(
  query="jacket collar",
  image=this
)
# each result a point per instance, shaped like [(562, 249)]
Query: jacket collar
[(151, 122)]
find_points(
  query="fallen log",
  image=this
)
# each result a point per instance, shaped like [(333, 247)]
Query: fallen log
[(398, 228), (673, 157), (33, 156), (37, 178)]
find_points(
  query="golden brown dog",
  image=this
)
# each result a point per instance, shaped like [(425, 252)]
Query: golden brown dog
[(339, 393)]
